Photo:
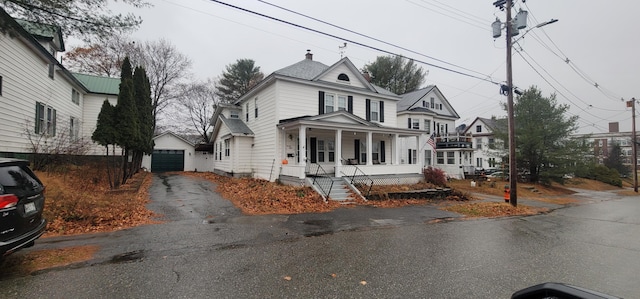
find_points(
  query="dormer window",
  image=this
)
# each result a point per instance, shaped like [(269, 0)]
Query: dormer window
[(343, 78)]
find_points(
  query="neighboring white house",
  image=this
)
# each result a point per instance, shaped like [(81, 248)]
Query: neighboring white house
[(427, 111), (43, 104), (310, 118), (488, 149)]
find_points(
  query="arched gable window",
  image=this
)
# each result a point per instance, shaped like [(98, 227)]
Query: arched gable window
[(343, 77)]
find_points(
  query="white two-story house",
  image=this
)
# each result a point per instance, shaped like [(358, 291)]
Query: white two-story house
[(488, 150), (309, 119), (427, 111), (43, 104)]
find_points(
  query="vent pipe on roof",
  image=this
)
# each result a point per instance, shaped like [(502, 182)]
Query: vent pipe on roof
[(308, 55)]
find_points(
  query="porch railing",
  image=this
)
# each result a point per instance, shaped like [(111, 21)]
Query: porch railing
[(321, 178), (357, 177)]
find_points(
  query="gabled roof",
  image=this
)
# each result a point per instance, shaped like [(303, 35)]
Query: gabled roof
[(236, 126), (306, 69), (412, 102), (411, 98), (343, 120), (311, 70), (44, 32), (169, 133), (98, 84), (340, 116), (491, 123)]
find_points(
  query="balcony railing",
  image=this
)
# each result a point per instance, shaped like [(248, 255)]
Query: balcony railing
[(454, 141)]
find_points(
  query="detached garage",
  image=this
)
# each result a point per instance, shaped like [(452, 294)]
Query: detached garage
[(174, 153), (167, 160)]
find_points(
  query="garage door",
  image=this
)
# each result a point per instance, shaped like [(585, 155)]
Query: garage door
[(167, 160)]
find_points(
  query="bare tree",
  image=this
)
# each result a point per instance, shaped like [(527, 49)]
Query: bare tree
[(54, 149), (86, 19), (194, 105), (164, 64), (102, 58)]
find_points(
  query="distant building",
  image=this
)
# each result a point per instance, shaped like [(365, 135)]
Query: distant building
[(602, 143), (488, 150)]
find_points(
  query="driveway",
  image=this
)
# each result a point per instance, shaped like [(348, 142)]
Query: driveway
[(193, 215)]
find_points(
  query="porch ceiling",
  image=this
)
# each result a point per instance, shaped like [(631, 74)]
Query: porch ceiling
[(349, 127)]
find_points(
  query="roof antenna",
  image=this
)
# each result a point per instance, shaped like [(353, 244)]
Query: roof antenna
[(342, 50)]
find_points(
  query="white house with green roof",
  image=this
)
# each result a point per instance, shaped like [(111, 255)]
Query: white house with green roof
[(41, 100), (44, 104)]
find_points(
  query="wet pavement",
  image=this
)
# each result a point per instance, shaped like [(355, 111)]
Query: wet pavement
[(207, 248), (189, 206)]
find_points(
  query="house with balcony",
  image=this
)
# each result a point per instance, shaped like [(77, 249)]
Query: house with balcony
[(488, 150), (428, 112), (311, 120)]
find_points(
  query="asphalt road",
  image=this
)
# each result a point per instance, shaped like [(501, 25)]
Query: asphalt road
[(207, 249)]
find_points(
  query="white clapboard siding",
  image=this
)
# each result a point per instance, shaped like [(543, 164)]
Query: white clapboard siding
[(25, 81)]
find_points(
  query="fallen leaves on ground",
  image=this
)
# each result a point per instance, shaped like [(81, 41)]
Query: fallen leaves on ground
[(497, 188), (258, 197), (25, 263), (79, 200), (492, 209)]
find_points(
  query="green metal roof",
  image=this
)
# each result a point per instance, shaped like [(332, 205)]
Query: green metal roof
[(97, 84), (46, 31)]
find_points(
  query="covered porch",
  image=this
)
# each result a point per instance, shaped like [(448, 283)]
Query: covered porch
[(341, 144)]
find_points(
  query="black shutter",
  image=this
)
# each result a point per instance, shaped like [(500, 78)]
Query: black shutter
[(368, 110), (381, 111), (409, 123), (312, 150), (382, 152), (38, 104), (53, 121), (409, 162), (356, 146), (350, 104), (321, 102)]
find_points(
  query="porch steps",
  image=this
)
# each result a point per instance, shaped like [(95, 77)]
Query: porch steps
[(340, 191)]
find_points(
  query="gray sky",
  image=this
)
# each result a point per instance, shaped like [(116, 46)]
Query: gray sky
[(600, 39)]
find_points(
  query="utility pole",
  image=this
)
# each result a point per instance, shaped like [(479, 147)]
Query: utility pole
[(634, 152), (513, 170)]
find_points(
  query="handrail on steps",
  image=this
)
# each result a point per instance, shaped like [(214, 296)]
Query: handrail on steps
[(359, 179), (323, 179)]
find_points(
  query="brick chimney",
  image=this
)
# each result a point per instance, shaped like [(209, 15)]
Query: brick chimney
[(308, 55), (614, 127), (366, 76)]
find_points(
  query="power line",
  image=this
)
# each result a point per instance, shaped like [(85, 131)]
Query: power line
[(483, 26), (364, 35), (559, 83), (608, 93), (560, 93), (352, 41)]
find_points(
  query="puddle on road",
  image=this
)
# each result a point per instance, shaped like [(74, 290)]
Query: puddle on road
[(317, 227), (127, 257)]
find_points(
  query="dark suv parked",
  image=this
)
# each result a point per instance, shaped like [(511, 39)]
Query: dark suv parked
[(21, 204)]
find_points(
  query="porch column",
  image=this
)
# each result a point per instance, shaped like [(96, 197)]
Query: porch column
[(302, 133), (338, 153), (396, 150), (369, 148), (420, 153)]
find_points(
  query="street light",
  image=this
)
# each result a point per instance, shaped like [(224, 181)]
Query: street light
[(512, 30)]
